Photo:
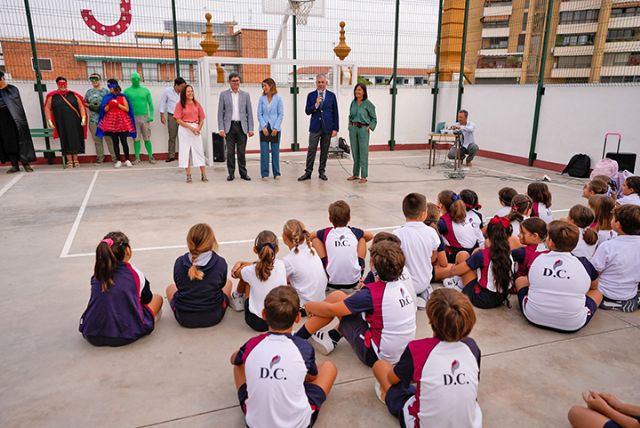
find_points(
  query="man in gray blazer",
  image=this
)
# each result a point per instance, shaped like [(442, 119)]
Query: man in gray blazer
[(235, 122)]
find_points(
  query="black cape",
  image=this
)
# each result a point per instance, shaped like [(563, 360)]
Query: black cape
[(11, 97)]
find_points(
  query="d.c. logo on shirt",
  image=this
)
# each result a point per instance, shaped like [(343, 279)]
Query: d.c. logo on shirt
[(270, 372), (555, 272), (341, 242), (405, 300), (453, 378)]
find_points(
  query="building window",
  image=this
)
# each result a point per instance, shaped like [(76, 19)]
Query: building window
[(620, 79), (577, 80), (94, 67), (127, 69), (573, 62), (495, 43), (194, 77), (575, 39), (623, 34), (490, 3), (150, 72), (496, 24), (579, 16), (622, 59), (379, 80), (620, 12), (521, 40), (525, 18)]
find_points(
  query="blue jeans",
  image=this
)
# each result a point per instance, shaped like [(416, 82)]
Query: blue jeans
[(264, 156)]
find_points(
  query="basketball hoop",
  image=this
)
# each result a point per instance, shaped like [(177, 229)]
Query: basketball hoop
[(301, 9)]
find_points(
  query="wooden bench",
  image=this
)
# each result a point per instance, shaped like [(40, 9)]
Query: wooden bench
[(49, 153)]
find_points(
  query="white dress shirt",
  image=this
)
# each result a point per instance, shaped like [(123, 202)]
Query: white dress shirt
[(235, 101), (169, 100), (467, 133)]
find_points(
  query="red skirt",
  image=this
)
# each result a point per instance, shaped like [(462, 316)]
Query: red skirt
[(117, 121)]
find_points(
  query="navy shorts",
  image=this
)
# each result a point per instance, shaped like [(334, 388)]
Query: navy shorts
[(343, 286), (396, 398), (589, 303), (353, 328), (315, 395), (252, 320), (481, 297), (200, 319)]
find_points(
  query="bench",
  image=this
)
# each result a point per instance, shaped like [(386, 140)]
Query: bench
[(49, 153)]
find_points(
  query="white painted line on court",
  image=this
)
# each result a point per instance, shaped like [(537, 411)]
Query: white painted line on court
[(76, 223), (10, 184), (551, 183), (561, 211)]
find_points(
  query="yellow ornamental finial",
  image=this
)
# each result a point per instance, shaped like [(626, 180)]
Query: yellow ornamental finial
[(342, 50), (209, 45)]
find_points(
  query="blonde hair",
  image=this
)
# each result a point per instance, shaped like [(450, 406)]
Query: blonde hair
[(295, 231), (266, 245), (200, 239)]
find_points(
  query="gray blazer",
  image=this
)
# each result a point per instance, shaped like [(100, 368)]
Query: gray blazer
[(225, 111)]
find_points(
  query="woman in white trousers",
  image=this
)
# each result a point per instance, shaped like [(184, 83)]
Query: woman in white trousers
[(190, 117)]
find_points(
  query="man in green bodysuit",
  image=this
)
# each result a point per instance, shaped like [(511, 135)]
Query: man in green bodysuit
[(143, 112)]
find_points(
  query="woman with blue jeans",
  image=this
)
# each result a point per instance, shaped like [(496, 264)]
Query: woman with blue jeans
[(270, 114)]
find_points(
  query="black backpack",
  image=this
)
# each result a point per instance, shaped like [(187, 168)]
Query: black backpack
[(578, 166)]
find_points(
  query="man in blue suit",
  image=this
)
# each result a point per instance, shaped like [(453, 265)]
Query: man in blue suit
[(322, 106)]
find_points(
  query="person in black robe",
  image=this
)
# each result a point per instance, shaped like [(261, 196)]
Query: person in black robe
[(15, 138)]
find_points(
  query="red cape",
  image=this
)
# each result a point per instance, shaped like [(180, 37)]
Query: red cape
[(80, 101)]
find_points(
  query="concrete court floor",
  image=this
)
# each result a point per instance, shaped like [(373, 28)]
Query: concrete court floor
[(177, 377)]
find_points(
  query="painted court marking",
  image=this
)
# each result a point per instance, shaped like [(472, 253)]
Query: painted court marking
[(10, 184), (76, 223)]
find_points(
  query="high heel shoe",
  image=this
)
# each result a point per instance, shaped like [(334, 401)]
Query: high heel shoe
[(189, 180)]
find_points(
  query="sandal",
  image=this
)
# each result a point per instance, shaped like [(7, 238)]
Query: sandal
[(204, 178), (76, 164), (353, 178), (362, 180), (189, 180)]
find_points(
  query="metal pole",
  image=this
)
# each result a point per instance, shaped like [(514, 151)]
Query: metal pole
[(175, 37), (463, 52), (294, 90), (39, 87), (394, 89), (540, 92), (435, 88)]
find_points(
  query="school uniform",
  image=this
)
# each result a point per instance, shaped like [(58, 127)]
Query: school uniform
[(343, 266), (120, 315), (617, 261), (276, 394), (306, 274), (404, 280), (418, 242), (503, 212), (382, 321), (482, 292), (525, 257), (476, 218), (582, 248), (538, 209), (556, 297), (605, 235), (438, 385), (458, 237), (200, 303), (515, 226), (254, 305), (633, 199)]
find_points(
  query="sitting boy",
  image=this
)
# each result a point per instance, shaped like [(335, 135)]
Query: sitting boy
[(278, 382)]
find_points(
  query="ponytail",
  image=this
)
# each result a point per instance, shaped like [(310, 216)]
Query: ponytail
[(109, 252), (200, 239), (295, 232), (194, 273), (454, 205), (266, 245), (589, 236), (520, 204), (498, 231)]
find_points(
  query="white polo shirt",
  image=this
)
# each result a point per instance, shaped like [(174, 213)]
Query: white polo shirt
[(582, 249), (618, 260), (418, 242), (260, 289), (341, 244), (633, 199), (306, 274)]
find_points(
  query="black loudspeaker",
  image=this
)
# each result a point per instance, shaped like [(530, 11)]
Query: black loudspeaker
[(218, 148)]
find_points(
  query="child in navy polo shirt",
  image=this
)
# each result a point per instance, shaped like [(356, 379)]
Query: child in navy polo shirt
[(278, 381), (389, 321), (200, 295), (342, 248), (435, 383), (121, 308)]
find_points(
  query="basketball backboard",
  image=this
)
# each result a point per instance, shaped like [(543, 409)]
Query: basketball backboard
[(283, 7)]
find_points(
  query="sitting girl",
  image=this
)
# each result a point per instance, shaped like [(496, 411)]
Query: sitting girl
[(257, 279), (630, 191), (602, 207), (533, 233), (458, 231), (541, 198), (200, 295), (441, 267), (583, 217), (505, 196), (121, 308)]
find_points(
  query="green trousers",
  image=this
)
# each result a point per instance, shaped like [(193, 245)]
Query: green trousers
[(359, 140)]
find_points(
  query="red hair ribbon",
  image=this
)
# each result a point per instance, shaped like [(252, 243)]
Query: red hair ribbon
[(473, 207), (108, 241), (500, 220)]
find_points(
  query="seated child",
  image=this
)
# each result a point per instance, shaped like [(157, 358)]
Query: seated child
[(604, 411), (121, 308), (441, 266), (602, 207), (520, 210), (596, 187), (419, 243), (342, 248), (389, 321), (200, 295), (541, 198), (257, 279), (459, 231), (533, 233), (617, 261), (630, 191), (435, 383), (487, 275), (583, 217), (561, 292), (278, 381), (472, 204), (304, 267), (505, 195)]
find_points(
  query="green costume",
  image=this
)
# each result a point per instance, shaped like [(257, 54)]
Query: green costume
[(143, 112), (364, 113)]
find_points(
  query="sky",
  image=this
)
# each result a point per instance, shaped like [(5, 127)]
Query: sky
[(370, 24)]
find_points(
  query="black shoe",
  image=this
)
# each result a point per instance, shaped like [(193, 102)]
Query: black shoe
[(323, 177), (230, 178), (170, 160), (246, 178), (27, 168), (304, 177), (13, 170)]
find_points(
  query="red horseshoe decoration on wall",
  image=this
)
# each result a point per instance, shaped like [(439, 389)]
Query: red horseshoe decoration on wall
[(109, 30)]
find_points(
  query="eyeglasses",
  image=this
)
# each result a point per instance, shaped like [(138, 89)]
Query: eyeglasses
[(94, 79)]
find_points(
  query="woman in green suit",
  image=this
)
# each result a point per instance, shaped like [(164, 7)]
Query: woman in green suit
[(362, 120)]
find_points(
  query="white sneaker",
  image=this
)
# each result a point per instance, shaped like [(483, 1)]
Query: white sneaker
[(237, 301), (378, 390), (326, 345), (421, 303), (118, 164), (128, 164), (454, 282)]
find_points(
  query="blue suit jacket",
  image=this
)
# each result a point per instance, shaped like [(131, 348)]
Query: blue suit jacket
[(325, 118)]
